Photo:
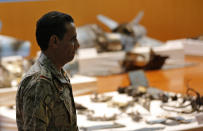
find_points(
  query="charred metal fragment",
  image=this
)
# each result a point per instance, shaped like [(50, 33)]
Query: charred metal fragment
[(101, 118), (85, 112), (135, 116), (174, 98), (164, 98), (122, 90), (195, 101), (100, 98), (121, 105), (134, 61), (80, 107), (145, 102)]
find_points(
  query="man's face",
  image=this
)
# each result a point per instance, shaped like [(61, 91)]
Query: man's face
[(68, 46)]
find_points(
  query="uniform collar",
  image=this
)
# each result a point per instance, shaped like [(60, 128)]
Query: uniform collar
[(46, 62)]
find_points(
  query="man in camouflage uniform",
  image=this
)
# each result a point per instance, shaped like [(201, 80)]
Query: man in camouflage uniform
[(44, 99)]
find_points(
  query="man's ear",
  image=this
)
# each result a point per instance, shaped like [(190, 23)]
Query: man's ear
[(53, 41)]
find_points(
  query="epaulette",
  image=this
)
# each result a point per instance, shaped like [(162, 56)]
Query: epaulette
[(44, 77), (45, 74)]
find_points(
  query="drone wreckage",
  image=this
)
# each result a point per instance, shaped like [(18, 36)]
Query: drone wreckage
[(12, 63), (143, 95), (124, 37), (117, 48)]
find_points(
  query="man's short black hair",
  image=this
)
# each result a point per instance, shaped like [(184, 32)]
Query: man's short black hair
[(52, 23)]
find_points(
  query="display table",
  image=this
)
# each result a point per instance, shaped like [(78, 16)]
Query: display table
[(156, 114)]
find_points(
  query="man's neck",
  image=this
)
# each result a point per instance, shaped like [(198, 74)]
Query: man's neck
[(54, 60)]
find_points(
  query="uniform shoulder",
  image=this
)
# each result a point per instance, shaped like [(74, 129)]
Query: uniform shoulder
[(36, 75), (35, 85), (39, 71)]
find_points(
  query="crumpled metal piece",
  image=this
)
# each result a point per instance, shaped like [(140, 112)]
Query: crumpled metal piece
[(134, 61), (100, 98), (101, 118)]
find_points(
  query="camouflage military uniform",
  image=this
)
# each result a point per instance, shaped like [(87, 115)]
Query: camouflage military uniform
[(44, 99)]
